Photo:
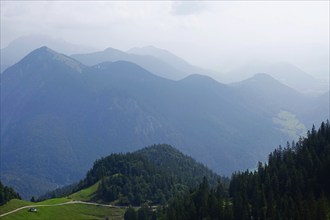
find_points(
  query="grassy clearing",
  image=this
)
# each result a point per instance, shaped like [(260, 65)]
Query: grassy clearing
[(71, 211), (290, 124), (16, 203), (85, 194), (53, 201), (68, 211)]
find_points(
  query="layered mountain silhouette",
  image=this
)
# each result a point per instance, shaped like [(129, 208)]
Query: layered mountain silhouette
[(59, 115), (169, 58), (284, 72), (22, 46), (263, 88), (167, 66)]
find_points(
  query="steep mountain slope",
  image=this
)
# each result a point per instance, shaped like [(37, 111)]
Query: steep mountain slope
[(268, 94), (58, 116), (38, 96), (262, 88), (150, 63)]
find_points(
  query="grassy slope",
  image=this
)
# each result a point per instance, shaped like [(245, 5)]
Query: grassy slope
[(85, 194), (71, 211), (13, 204)]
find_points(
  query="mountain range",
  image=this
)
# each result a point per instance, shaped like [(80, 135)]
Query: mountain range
[(169, 58), (59, 115), (166, 64), (284, 72), (160, 62)]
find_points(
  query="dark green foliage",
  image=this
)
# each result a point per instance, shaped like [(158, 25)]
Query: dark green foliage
[(201, 203), (130, 214), (33, 199), (129, 179), (7, 193), (153, 175), (183, 168), (294, 184), (142, 215), (184, 171)]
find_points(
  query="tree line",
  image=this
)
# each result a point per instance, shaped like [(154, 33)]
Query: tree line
[(7, 193), (293, 184)]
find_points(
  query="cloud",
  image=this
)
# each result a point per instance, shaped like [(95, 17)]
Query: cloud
[(206, 33), (188, 7)]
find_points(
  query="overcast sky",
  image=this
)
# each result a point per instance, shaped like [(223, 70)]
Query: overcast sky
[(210, 34)]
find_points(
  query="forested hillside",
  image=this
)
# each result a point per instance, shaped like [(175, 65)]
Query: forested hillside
[(293, 184), (7, 193), (182, 168), (153, 174), (129, 179)]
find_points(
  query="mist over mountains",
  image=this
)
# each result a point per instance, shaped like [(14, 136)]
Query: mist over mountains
[(22, 46), (60, 114), (148, 62), (166, 64), (284, 72)]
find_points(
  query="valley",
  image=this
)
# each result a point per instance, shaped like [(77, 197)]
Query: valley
[(164, 110)]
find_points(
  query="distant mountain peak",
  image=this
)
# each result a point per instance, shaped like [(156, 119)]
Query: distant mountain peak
[(111, 49), (44, 53), (22, 46), (198, 77), (262, 76), (203, 80), (47, 50), (265, 82)]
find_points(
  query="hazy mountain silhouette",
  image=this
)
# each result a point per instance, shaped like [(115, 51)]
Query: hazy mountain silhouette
[(148, 62), (59, 115), (20, 47), (263, 88), (291, 110), (169, 58), (286, 73)]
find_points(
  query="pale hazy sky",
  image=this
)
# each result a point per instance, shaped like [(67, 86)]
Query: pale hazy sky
[(210, 34)]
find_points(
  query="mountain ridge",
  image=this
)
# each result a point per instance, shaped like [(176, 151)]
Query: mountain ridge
[(150, 63), (22, 46), (66, 119), (169, 58), (284, 72)]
